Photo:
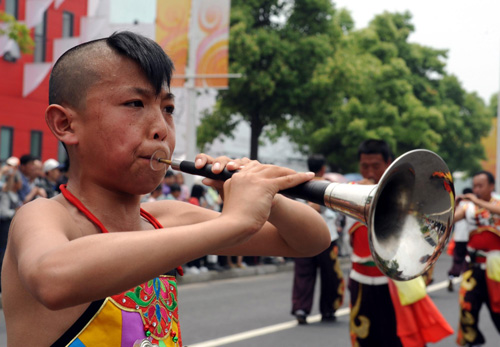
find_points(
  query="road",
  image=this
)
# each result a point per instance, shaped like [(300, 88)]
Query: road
[(255, 311)]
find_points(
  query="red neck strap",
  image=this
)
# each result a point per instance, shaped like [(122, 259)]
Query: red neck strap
[(80, 206)]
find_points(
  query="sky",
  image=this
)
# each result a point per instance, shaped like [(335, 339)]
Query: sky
[(469, 30)]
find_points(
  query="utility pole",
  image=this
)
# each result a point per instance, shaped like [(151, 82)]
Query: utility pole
[(190, 77), (497, 157)]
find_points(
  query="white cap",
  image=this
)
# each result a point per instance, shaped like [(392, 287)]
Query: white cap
[(12, 161), (50, 164)]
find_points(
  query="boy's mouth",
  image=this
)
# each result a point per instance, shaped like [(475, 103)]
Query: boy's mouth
[(155, 162)]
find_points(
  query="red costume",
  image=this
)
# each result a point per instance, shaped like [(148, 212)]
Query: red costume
[(481, 282), (378, 317)]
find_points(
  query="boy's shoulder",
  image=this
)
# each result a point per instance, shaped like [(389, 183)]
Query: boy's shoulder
[(44, 216), (42, 206)]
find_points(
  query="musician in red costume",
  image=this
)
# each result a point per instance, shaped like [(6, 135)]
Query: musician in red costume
[(481, 282), (383, 312)]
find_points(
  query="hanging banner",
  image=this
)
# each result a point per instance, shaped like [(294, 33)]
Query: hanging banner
[(172, 26), (211, 39)]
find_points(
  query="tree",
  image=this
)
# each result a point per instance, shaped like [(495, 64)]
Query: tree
[(328, 87), (494, 105), (277, 46), (17, 32), (397, 91)]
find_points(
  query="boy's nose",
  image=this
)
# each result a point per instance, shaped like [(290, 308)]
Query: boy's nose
[(159, 127)]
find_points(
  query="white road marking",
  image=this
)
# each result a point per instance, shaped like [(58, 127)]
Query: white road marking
[(291, 324)]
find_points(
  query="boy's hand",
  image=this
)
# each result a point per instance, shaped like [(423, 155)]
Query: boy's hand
[(218, 165), (249, 194)]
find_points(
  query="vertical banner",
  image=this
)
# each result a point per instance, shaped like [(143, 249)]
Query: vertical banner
[(210, 35), (172, 27), (490, 147)]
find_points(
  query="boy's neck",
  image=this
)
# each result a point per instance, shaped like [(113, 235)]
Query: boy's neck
[(116, 211)]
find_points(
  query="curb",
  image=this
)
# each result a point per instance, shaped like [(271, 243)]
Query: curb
[(244, 272), (235, 273)]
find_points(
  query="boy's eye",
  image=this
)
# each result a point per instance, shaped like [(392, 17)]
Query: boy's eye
[(135, 103), (169, 109)]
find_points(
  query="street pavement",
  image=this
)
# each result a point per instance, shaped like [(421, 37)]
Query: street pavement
[(251, 307), (255, 311)]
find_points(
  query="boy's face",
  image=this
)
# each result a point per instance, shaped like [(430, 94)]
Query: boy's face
[(122, 124)]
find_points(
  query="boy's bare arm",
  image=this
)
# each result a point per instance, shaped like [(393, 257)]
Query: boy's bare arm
[(294, 229), (301, 226), (60, 271)]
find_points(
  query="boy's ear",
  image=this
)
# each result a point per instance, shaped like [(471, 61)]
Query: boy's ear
[(60, 121)]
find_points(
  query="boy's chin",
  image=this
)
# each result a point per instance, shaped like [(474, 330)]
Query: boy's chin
[(144, 188)]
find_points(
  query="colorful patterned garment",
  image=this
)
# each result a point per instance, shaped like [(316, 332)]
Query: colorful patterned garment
[(148, 311), (481, 282)]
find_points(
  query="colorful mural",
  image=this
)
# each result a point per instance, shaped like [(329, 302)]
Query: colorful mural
[(208, 33)]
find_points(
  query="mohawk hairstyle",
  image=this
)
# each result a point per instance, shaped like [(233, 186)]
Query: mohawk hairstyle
[(75, 71)]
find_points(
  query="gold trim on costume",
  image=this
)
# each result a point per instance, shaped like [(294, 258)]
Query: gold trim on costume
[(362, 330)]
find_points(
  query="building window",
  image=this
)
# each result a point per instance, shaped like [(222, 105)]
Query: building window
[(11, 7), (36, 143), (40, 40), (67, 24), (6, 140)]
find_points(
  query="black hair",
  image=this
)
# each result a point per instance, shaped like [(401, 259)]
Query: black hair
[(152, 59), (27, 158), (467, 190), (316, 162), (373, 146), (169, 173), (197, 191), (74, 72), (175, 188), (489, 175)]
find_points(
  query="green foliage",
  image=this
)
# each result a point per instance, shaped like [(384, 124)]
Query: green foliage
[(277, 46), (398, 91), (494, 105), (17, 32)]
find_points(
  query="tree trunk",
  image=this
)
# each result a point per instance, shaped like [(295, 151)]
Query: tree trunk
[(256, 129)]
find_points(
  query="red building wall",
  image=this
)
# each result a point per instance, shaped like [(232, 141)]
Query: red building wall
[(25, 114)]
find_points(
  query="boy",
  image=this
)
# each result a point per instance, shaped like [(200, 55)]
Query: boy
[(72, 260)]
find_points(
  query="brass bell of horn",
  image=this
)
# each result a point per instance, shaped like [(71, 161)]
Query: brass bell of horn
[(409, 214)]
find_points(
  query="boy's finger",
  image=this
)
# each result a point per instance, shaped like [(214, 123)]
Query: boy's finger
[(290, 181)]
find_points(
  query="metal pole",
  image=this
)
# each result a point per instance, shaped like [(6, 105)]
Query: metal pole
[(191, 93), (228, 75)]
